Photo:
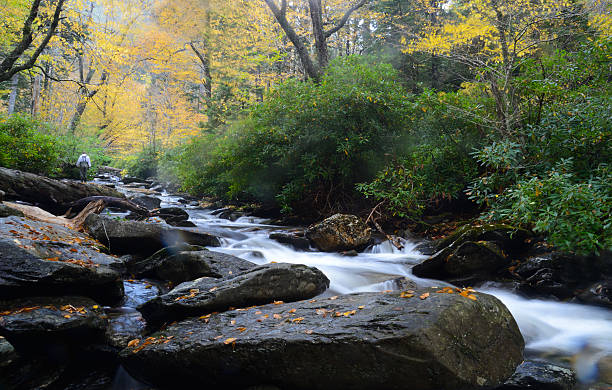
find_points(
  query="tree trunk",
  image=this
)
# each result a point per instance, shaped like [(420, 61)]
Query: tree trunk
[(316, 17), (13, 95)]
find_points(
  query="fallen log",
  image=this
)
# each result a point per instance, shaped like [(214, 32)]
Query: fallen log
[(76, 223), (110, 201), (48, 194)]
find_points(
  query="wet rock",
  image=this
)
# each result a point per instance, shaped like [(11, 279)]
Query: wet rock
[(6, 211), (599, 293), (150, 202), (124, 326), (133, 237), (138, 292), (357, 341), (565, 275), (227, 213), (182, 263), (541, 376), (31, 373), (50, 324), (260, 285), (470, 262), (174, 216), (51, 241), (291, 239), (134, 180), (338, 233), (48, 194), (24, 274), (508, 238), (7, 353), (402, 284)]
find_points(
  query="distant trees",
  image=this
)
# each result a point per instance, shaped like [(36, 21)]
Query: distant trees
[(319, 33)]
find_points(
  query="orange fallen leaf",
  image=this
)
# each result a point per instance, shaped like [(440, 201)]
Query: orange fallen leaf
[(233, 322), (292, 311), (278, 302), (333, 298), (405, 294), (229, 341), (73, 250), (297, 320), (424, 296), (242, 329), (218, 337), (258, 312), (277, 316), (361, 307), (133, 343), (67, 316)]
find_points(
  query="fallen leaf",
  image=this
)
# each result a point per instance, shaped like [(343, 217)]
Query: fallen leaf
[(258, 312), (424, 296), (292, 311), (278, 302), (297, 320), (218, 337), (277, 316), (242, 329), (213, 289), (309, 331), (229, 341), (233, 322), (361, 307), (67, 316), (333, 298), (133, 343)]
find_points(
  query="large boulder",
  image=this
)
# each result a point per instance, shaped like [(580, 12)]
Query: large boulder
[(181, 263), (174, 216), (24, 274), (149, 202), (133, 237), (48, 194), (59, 243), (421, 340), (260, 285), (474, 254), (471, 262), (339, 232), (37, 324)]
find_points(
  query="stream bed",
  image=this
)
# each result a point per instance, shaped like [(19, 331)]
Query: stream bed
[(568, 334)]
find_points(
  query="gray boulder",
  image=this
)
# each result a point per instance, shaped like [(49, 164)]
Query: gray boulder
[(35, 324), (358, 341), (182, 263), (149, 202), (23, 274), (133, 237), (340, 232), (260, 285), (298, 242)]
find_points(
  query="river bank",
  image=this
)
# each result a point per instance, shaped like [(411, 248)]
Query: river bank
[(556, 331)]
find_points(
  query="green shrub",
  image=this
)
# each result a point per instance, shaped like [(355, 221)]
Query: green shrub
[(26, 145), (143, 164)]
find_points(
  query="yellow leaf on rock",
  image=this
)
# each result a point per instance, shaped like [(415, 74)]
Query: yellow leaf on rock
[(424, 296), (229, 341), (133, 343)]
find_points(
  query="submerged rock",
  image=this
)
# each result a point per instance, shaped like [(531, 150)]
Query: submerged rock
[(24, 274), (357, 341), (181, 263), (132, 237), (541, 376), (340, 232), (259, 285)]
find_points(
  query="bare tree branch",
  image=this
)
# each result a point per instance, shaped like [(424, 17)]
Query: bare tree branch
[(345, 18)]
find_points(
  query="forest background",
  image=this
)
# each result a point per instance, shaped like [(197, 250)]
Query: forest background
[(409, 107)]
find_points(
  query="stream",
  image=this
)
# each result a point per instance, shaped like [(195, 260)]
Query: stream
[(567, 334)]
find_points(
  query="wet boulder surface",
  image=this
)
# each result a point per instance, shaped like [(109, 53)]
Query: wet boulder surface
[(133, 237), (339, 232), (24, 274), (185, 262), (419, 340), (259, 285), (38, 324)]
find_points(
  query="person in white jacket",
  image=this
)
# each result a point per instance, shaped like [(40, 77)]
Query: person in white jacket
[(84, 163)]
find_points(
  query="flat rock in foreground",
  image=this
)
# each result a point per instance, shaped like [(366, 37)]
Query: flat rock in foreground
[(23, 274), (259, 285), (359, 341)]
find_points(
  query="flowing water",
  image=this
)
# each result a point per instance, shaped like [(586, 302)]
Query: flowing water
[(573, 334)]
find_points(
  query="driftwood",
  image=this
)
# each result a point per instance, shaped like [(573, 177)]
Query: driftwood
[(392, 239), (109, 201), (38, 214)]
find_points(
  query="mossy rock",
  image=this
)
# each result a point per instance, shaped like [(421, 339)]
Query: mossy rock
[(507, 237)]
